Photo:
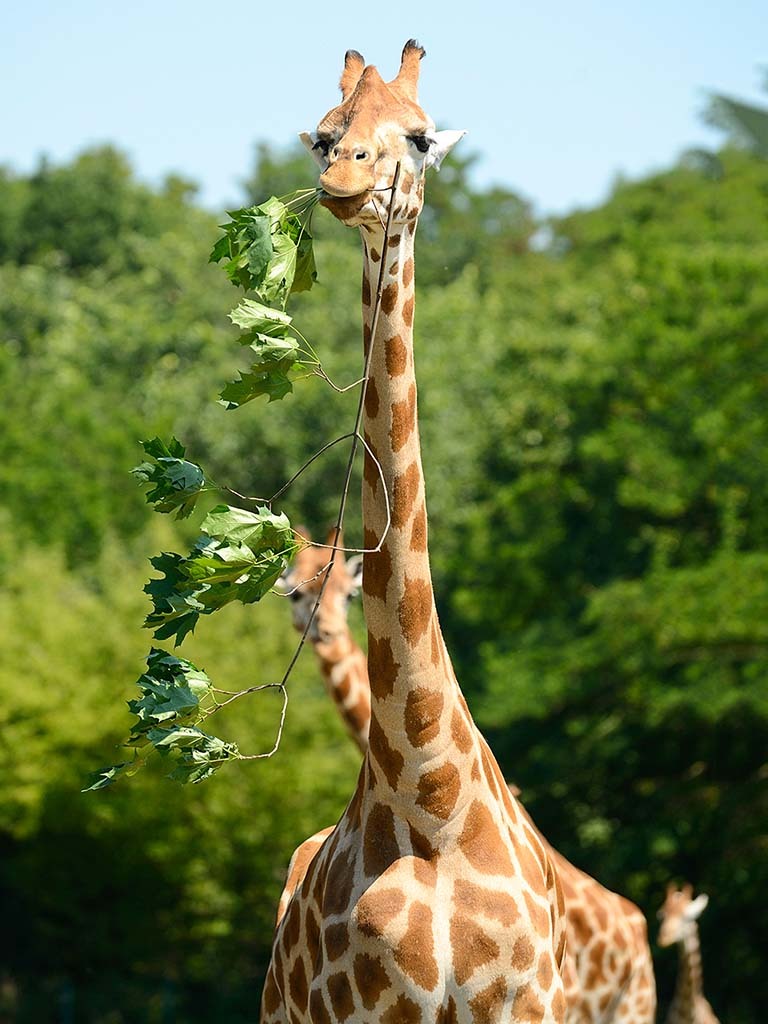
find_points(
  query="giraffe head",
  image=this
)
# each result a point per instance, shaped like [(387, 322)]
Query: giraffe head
[(359, 143), (302, 583), (679, 913)]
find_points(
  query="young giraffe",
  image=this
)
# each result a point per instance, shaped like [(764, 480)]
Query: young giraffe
[(612, 977), (678, 916), (432, 901), (342, 661)]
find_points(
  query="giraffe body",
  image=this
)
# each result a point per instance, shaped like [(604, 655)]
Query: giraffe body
[(678, 916), (609, 976), (433, 900)]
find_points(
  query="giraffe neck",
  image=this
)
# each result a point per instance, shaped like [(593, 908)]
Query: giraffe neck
[(345, 672), (688, 989), (414, 694)]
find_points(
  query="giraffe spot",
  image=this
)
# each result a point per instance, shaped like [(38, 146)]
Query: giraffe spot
[(579, 925), (472, 947), (297, 984), (424, 871), (403, 420), (419, 531), (312, 929), (435, 654), (415, 609), (487, 1005), (404, 491), (489, 764), (396, 355), (389, 298), (408, 271), (342, 1001), (402, 1011), (439, 790), (366, 337), (338, 888), (522, 954), (375, 255), (605, 999), (420, 845), (415, 953), (538, 916), (380, 847), (292, 926), (317, 1009), (394, 267), (371, 399), (376, 908), (447, 1014), (377, 567), (530, 867), (389, 760), (271, 997), (558, 1007), (382, 667), (366, 291), (544, 973), (370, 469), (371, 979), (597, 953), (460, 733), (411, 228), (527, 1006), (394, 240), (406, 183), (473, 900), (422, 715), (336, 938), (481, 842), (408, 311)]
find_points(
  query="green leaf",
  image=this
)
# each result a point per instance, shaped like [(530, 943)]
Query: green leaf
[(306, 270), (274, 383), (261, 530), (105, 777), (276, 284), (176, 483), (197, 755), (254, 316), (258, 241), (176, 607)]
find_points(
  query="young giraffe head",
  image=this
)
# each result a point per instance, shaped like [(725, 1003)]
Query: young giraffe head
[(302, 583), (679, 913), (377, 125)]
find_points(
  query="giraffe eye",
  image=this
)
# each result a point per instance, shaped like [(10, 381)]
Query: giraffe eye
[(322, 145), (421, 142)]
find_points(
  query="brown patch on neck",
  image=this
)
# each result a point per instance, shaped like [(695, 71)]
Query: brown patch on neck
[(403, 420), (371, 399), (396, 355), (420, 845), (482, 845), (366, 291), (422, 715), (419, 531), (415, 952), (370, 469), (377, 568), (404, 492), (439, 790), (389, 298), (488, 1004), (472, 947), (408, 311), (390, 761), (394, 240), (408, 271), (382, 667), (371, 979), (380, 847), (415, 609)]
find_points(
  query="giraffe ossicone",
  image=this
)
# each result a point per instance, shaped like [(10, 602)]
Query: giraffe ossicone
[(433, 900)]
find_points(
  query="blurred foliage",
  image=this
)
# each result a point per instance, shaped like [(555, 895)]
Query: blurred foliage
[(594, 428)]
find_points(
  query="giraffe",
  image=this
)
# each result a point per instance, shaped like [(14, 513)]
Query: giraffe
[(342, 661), (611, 977), (432, 901), (678, 916)]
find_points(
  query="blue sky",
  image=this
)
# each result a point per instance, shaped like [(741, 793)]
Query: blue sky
[(558, 97)]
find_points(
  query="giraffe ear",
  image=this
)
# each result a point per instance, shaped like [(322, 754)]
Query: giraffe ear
[(696, 907), (355, 572), (309, 140), (440, 145)]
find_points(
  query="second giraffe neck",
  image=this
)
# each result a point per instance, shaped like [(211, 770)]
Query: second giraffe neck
[(413, 688), (689, 983)]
